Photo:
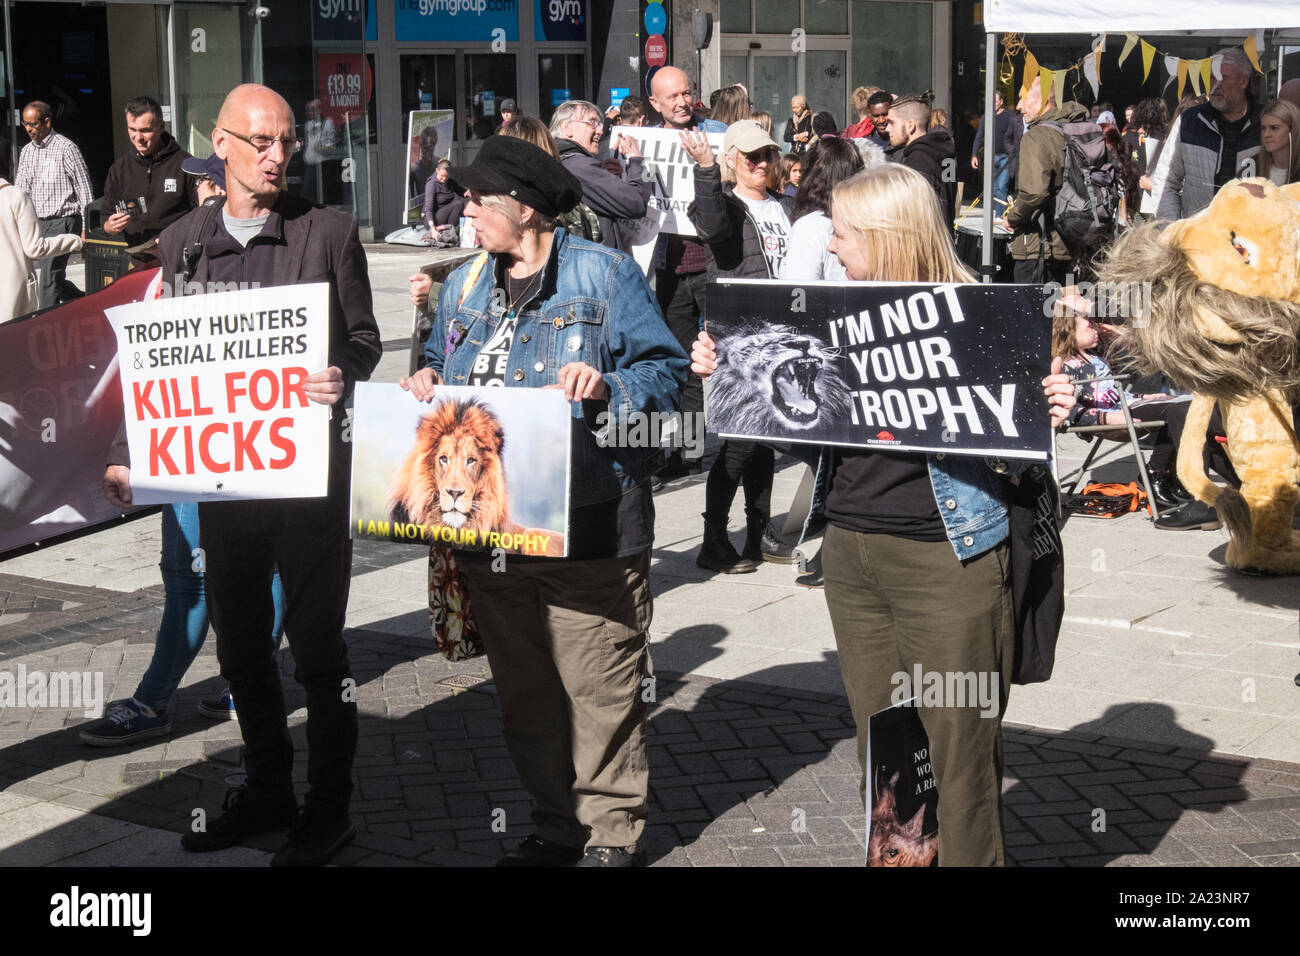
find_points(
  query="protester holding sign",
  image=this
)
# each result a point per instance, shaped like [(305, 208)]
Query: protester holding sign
[(265, 236), (566, 639), (746, 230), (915, 557)]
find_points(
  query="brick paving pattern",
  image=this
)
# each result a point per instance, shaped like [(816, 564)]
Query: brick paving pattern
[(742, 774)]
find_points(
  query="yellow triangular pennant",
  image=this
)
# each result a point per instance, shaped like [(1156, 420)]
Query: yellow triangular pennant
[(1148, 55), (1182, 76), (1252, 52), (1031, 71), (1130, 41), (1046, 86), (1205, 73), (1059, 88), (1194, 73)]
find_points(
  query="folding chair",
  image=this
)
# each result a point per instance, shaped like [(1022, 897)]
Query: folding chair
[(1128, 432)]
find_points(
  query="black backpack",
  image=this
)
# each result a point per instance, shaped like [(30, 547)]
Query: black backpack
[(1087, 203)]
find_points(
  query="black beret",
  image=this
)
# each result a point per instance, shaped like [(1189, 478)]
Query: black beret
[(514, 167)]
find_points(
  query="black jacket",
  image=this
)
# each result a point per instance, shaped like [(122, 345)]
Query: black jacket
[(316, 244), (934, 157), (609, 197), (168, 192), (724, 226), (794, 127)]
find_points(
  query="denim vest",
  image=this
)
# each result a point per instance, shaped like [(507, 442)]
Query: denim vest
[(594, 307), (971, 494)]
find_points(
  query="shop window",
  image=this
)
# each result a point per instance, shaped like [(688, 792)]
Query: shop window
[(560, 77), (489, 79), (893, 45), (826, 16), (735, 16)]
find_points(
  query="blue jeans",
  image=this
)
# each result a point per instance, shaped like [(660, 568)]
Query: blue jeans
[(185, 612), (1001, 177)]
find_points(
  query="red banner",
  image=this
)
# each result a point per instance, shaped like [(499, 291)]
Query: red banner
[(344, 85), (60, 410)]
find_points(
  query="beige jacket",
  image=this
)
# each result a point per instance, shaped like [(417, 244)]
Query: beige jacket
[(21, 242)]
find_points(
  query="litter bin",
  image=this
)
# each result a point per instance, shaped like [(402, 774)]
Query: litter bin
[(107, 259)]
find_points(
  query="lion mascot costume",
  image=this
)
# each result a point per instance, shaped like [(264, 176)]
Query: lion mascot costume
[(1222, 323)]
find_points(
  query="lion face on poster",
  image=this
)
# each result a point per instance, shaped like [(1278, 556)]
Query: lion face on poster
[(453, 475), (776, 379)]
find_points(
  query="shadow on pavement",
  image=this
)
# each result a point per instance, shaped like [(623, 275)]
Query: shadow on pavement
[(743, 772)]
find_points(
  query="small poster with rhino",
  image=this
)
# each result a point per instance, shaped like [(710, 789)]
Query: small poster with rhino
[(902, 799), (954, 368), (479, 469)]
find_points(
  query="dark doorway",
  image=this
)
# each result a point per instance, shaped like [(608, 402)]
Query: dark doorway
[(61, 57)]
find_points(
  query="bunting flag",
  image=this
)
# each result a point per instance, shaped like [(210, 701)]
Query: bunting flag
[(1206, 68), (1194, 74), (1031, 71), (1059, 87), (1182, 77), (1047, 76), (1252, 48), (1148, 54), (1130, 41), (1171, 67), (1215, 63), (1091, 66)]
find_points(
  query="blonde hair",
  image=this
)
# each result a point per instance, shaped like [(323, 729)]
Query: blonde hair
[(762, 119), (531, 130), (1289, 114), (896, 215), (513, 209)]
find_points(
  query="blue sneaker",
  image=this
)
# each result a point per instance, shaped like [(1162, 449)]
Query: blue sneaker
[(126, 722), (219, 708)]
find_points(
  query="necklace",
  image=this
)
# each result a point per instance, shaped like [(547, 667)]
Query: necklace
[(517, 297)]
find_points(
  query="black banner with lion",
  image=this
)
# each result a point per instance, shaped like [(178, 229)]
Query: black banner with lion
[(908, 367), (480, 469)]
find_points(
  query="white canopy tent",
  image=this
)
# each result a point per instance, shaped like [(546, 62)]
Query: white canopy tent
[(1111, 16)]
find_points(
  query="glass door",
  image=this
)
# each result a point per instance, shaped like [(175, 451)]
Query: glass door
[(826, 84), (775, 78), (490, 79)]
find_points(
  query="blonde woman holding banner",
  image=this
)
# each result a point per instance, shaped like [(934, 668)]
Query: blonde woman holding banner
[(916, 553)]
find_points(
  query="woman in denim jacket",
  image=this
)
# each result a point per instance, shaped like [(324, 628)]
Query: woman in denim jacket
[(916, 554), (566, 639)]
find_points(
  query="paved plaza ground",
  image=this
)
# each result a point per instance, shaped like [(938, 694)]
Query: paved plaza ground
[(1173, 707)]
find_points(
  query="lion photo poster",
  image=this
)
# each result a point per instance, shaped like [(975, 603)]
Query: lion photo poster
[(952, 368), (479, 469)]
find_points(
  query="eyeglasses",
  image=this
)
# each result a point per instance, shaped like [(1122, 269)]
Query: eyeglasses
[(37, 125), (595, 124), (263, 144), (757, 158)]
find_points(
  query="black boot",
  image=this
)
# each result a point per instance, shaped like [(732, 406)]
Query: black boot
[(1191, 516), (812, 577), (717, 553), (1168, 490), (762, 542)]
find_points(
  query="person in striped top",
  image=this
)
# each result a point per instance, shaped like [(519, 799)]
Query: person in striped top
[(53, 173)]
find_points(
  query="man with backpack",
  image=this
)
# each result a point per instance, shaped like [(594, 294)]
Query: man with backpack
[(1039, 249)]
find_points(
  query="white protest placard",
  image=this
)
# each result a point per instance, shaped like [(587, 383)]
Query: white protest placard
[(212, 387), (672, 173)]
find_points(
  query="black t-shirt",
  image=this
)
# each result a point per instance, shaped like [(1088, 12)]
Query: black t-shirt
[(1232, 139), (883, 492)]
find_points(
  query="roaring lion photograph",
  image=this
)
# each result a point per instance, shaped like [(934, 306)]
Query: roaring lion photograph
[(774, 380), (454, 475)]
